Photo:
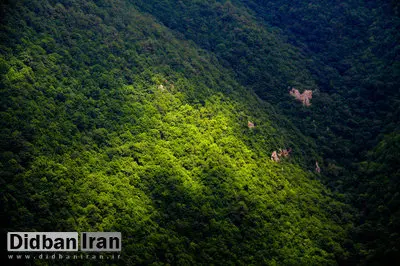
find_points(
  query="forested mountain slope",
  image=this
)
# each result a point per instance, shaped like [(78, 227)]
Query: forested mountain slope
[(133, 116), (349, 55)]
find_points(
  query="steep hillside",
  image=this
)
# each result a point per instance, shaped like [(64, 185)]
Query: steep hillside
[(347, 52), (354, 51), (113, 123), (158, 119)]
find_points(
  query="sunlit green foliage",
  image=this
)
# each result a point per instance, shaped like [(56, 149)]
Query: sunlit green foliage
[(114, 119)]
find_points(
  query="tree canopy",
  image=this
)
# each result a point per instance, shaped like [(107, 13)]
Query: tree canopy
[(158, 119)]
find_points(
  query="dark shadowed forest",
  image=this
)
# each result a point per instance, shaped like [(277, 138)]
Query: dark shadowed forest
[(207, 132)]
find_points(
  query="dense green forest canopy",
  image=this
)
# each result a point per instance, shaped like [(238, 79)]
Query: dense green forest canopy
[(158, 119)]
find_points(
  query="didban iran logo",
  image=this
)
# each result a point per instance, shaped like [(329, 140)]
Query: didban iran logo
[(64, 241)]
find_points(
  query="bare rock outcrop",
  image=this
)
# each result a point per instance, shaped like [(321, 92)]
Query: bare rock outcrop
[(304, 97)]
